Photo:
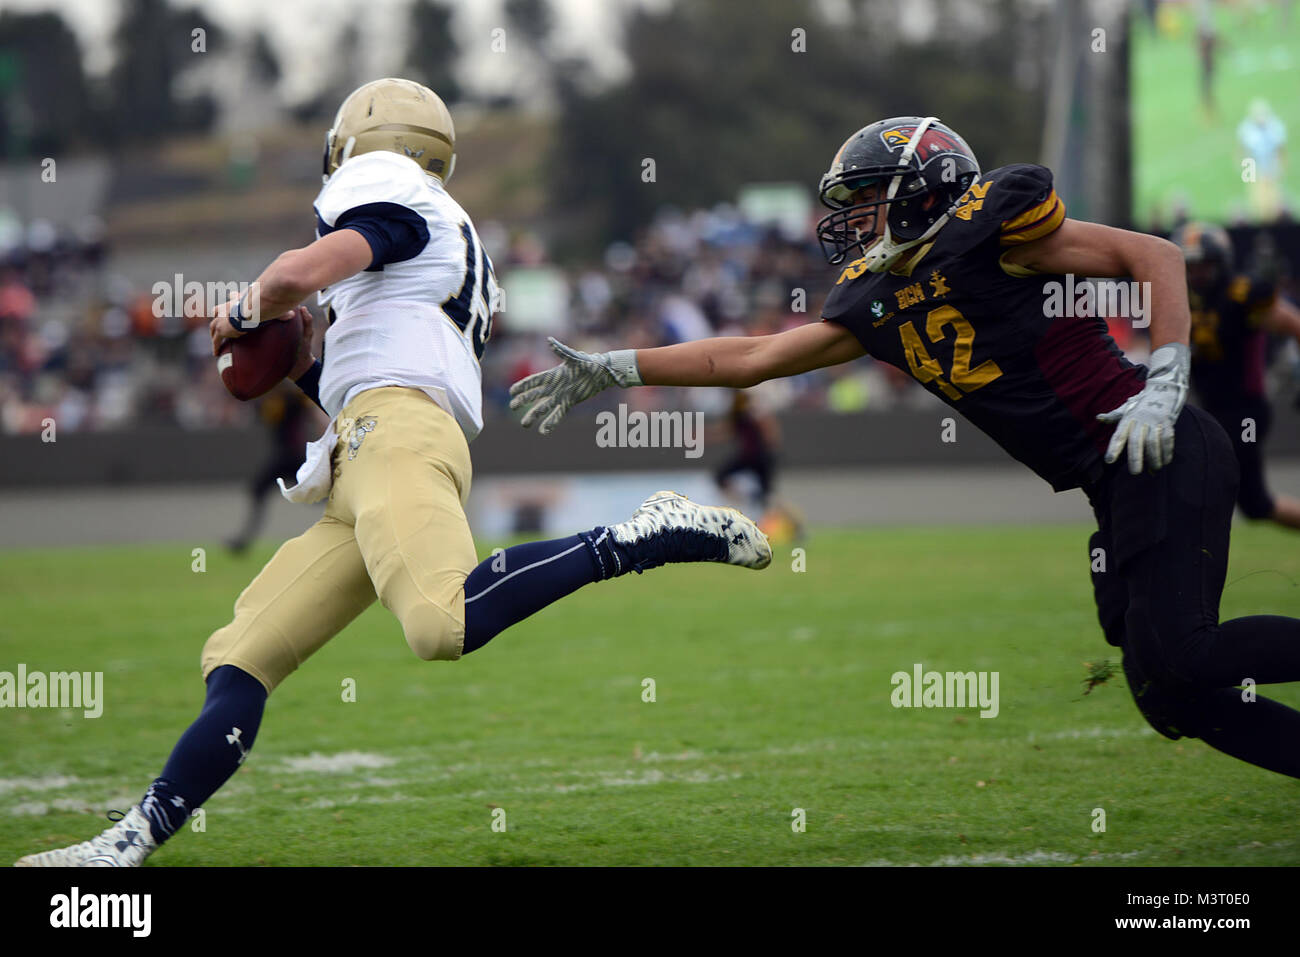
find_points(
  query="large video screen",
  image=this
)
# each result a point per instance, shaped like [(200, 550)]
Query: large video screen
[(1216, 104)]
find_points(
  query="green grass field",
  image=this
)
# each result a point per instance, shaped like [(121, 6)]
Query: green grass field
[(773, 693), (1180, 150)]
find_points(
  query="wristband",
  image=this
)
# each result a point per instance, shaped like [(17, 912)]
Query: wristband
[(622, 366), (1170, 363), (237, 318)]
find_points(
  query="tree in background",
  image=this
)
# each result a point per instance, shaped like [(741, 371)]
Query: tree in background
[(718, 100), (344, 77), (533, 21), (155, 47), (265, 62), (45, 101), (432, 52)]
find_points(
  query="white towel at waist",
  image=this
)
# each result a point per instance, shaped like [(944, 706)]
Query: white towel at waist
[(315, 475)]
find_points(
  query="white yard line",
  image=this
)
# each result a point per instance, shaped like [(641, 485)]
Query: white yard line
[(49, 782), (342, 763), (1009, 860), (1080, 734)]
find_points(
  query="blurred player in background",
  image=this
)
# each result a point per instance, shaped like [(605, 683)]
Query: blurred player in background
[(1232, 317), (410, 293), (288, 417), (1262, 136), (1207, 47), (757, 436), (952, 282)]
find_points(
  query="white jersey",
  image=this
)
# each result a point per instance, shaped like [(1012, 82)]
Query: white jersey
[(422, 322)]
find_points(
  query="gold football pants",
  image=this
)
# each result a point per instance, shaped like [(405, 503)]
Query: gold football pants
[(394, 527)]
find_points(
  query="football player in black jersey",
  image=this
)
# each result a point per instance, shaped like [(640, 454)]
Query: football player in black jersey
[(1232, 316), (286, 414), (957, 279)]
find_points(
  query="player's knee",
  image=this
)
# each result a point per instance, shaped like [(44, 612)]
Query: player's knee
[(254, 651), (433, 633), (216, 650), (1162, 700), (1163, 707)]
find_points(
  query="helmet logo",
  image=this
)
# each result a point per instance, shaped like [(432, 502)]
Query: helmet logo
[(414, 154), (934, 143)]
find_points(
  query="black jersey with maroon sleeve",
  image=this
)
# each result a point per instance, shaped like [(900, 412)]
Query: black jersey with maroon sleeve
[(1228, 340), (976, 332)]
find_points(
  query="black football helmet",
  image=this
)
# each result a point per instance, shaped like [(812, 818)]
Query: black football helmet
[(1207, 250), (923, 166)]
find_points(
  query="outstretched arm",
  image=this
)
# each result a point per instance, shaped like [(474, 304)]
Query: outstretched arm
[(735, 362), (739, 362)]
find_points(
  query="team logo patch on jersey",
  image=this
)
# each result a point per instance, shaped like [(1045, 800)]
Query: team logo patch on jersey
[(941, 287), (877, 308)]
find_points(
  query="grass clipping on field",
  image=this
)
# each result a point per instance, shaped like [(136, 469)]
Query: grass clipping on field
[(1099, 672)]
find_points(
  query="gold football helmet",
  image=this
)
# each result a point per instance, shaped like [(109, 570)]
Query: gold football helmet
[(397, 115)]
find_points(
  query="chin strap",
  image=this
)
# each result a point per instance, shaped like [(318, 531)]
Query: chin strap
[(884, 252)]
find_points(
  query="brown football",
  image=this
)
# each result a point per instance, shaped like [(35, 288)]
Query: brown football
[(254, 363)]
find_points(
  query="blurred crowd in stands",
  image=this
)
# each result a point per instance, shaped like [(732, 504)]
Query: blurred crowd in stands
[(88, 349), (689, 276), (91, 351)]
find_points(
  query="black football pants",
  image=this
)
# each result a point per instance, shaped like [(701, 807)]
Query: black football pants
[(1163, 540)]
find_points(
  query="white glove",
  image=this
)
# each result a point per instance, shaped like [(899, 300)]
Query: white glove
[(580, 376), (1146, 421)]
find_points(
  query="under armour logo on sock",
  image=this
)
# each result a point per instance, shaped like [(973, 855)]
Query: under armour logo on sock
[(233, 738)]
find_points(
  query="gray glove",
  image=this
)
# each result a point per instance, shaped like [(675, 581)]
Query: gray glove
[(577, 378), (1146, 421)]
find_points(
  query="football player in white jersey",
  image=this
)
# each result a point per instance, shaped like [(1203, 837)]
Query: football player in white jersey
[(409, 291)]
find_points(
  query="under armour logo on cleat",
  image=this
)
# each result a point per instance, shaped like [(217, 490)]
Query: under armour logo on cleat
[(233, 738), (129, 842)]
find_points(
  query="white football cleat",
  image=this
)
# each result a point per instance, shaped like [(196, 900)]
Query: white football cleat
[(126, 844), (669, 527)]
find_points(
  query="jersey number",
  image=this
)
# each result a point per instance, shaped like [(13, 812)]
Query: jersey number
[(927, 369), (469, 309)]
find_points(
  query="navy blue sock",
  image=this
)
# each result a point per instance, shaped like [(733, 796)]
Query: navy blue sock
[(524, 579), (209, 752)]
